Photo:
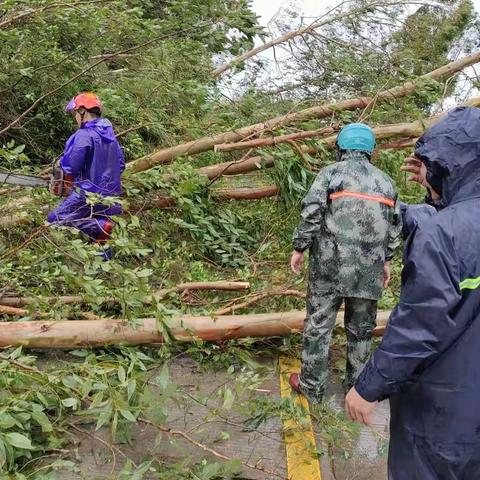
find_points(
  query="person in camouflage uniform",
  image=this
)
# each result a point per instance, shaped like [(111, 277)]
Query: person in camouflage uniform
[(351, 225)]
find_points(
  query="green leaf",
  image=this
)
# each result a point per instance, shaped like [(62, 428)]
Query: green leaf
[(164, 377), (104, 417), (228, 399), (3, 455), (70, 402), (42, 420), (132, 385), (121, 374), (18, 440), (42, 398), (6, 421), (128, 415), (146, 272)]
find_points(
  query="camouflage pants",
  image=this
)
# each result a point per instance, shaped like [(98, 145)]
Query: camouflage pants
[(360, 320)]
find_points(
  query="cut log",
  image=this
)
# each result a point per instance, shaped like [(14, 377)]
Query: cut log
[(96, 333), (247, 193), (13, 311), (220, 285), (207, 143)]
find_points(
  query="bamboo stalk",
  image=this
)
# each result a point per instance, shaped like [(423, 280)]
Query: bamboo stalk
[(204, 144), (95, 333)]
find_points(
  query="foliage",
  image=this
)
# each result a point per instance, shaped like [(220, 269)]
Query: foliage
[(161, 94), (161, 87)]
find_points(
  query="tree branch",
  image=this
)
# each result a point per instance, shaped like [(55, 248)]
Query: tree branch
[(207, 143), (9, 21), (91, 67)]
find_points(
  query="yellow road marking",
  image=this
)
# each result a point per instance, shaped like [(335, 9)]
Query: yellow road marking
[(302, 463)]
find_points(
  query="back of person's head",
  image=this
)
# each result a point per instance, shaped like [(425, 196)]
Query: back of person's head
[(356, 136), (85, 102)]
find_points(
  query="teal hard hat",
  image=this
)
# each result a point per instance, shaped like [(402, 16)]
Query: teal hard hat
[(356, 136)]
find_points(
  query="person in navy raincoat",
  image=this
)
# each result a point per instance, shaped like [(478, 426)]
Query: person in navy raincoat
[(94, 160), (428, 363)]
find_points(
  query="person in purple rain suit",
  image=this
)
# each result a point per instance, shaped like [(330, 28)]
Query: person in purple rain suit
[(92, 162)]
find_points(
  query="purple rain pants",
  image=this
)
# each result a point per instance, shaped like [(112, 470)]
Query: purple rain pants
[(89, 219)]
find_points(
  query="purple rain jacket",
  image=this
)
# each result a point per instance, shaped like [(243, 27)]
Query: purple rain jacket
[(94, 157)]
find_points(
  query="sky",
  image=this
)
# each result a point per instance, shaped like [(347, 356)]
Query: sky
[(266, 9), (309, 9)]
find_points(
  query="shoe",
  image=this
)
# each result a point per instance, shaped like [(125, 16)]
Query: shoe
[(294, 382), (106, 232)]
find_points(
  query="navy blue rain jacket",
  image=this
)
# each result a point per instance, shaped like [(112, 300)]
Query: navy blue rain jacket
[(429, 360)]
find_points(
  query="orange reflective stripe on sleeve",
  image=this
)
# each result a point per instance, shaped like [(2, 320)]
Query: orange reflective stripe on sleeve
[(364, 196)]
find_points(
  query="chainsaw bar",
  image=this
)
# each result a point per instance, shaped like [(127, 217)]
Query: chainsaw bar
[(23, 180)]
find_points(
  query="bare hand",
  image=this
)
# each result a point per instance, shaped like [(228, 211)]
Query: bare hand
[(358, 409), (296, 262), (386, 274), (417, 169)]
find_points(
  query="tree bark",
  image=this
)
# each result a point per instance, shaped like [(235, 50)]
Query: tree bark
[(247, 193), (410, 129), (96, 333), (270, 141), (204, 144), (234, 168)]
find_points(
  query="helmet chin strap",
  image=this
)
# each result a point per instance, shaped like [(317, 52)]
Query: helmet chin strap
[(81, 112)]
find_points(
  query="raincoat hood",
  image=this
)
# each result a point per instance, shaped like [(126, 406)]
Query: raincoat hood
[(451, 152), (103, 127)]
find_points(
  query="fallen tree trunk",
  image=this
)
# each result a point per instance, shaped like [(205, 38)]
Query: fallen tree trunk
[(95, 333), (271, 141), (234, 168), (244, 193), (407, 129), (207, 143), (220, 285), (412, 129)]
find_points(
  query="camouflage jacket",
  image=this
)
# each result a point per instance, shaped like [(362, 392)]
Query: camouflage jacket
[(351, 223)]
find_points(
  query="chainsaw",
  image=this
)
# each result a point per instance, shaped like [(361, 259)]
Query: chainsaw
[(60, 183)]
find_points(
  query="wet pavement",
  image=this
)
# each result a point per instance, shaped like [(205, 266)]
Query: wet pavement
[(262, 447)]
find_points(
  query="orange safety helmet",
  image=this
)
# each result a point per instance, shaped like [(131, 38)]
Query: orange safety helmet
[(86, 100)]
